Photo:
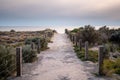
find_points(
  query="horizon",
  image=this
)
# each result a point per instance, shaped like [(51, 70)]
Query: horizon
[(59, 29)]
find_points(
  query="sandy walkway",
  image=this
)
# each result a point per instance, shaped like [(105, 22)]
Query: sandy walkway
[(58, 63)]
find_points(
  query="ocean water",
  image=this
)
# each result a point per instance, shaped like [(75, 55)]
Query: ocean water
[(59, 29)]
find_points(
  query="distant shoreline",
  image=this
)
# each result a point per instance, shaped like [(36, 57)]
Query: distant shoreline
[(59, 29)]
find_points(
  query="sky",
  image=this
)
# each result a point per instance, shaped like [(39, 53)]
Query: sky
[(59, 12)]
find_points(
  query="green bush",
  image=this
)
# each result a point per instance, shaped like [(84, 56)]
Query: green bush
[(43, 42), (110, 67), (29, 55), (7, 62), (117, 71), (80, 54), (115, 37), (93, 55), (118, 49), (28, 41), (89, 34), (75, 30), (106, 51), (117, 66)]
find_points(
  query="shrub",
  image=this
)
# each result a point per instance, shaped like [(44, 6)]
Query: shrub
[(80, 54), (29, 55), (93, 55), (108, 67), (7, 62), (28, 41), (115, 37), (104, 34), (117, 66), (12, 30), (43, 42), (75, 30), (106, 51), (88, 33)]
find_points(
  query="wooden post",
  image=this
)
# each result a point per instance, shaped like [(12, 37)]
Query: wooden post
[(80, 44), (45, 35), (66, 31), (32, 46), (100, 60), (75, 40), (86, 50), (70, 37), (19, 61), (38, 48)]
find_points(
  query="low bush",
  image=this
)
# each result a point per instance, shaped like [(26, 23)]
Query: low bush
[(80, 54), (117, 66), (43, 42), (29, 55), (7, 62), (75, 30), (110, 67), (92, 55)]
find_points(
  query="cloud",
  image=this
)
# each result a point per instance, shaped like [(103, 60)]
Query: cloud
[(60, 9)]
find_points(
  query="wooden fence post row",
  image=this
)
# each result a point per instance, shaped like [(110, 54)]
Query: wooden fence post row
[(80, 44), (86, 50), (100, 60), (39, 46), (45, 35), (32, 46), (19, 61), (75, 40)]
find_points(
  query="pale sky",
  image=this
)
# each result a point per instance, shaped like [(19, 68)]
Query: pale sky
[(59, 12)]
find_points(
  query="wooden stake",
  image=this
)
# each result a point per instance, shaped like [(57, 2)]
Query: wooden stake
[(86, 50), (19, 61), (80, 44), (100, 60)]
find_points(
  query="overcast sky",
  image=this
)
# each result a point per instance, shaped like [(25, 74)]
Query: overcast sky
[(59, 12)]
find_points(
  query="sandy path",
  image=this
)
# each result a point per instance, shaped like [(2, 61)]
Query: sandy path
[(58, 63)]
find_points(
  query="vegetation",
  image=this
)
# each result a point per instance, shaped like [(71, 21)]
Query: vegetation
[(13, 39), (110, 38), (104, 34), (110, 67), (93, 55), (115, 37), (43, 42), (87, 33), (75, 30), (12, 30), (29, 55), (7, 62)]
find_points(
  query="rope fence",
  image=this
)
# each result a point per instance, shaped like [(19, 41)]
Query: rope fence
[(15, 62)]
